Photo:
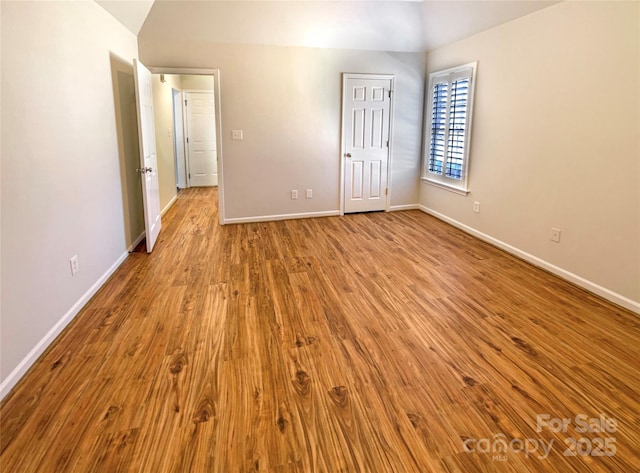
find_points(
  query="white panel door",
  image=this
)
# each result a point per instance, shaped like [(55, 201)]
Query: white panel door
[(366, 118), (201, 139), (148, 156)]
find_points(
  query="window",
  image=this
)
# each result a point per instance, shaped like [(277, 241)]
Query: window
[(449, 108)]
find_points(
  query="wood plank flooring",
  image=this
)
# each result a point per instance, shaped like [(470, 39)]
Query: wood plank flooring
[(366, 343)]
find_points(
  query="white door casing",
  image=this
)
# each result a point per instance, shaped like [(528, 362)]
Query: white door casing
[(366, 120), (202, 156), (178, 140), (148, 157)]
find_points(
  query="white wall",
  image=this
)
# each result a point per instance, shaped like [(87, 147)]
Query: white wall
[(555, 140), (1, 378), (163, 120), (194, 82), (287, 100), (61, 183)]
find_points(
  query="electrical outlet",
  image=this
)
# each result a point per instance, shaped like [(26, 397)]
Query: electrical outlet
[(237, 135), (555, 234), (476, 207), (75, 265), (294, 194), (309, 193)]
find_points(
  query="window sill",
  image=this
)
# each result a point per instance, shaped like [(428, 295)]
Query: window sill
[(441, 185)]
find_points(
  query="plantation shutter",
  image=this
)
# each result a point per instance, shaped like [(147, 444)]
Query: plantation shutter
[(457, 127), (438, 127), (450, 94)]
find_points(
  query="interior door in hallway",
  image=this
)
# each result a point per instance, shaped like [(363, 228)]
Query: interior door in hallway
[(201, 139), (148, 157), (366, 107)]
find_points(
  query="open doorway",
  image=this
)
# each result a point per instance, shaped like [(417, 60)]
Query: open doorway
[(188, 131), (128, 150), (186, 141), (186, 109), (168, 88)]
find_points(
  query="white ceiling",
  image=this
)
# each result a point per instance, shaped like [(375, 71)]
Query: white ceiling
[(131, 13), (395, 25)]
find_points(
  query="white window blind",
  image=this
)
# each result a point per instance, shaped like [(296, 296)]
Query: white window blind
[(438, 127), (449, 106)]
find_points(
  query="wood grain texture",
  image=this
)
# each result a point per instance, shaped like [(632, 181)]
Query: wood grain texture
[(367, 343)]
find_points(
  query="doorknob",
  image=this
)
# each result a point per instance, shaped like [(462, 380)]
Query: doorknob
[(348, 155)]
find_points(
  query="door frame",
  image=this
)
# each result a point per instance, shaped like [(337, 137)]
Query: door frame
[(218, 99), (178, 130), (346, 76)]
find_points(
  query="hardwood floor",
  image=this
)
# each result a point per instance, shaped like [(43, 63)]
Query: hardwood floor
[(366, 343)]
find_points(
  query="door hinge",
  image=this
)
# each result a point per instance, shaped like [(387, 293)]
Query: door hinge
[(389, 93), (187, 139), (386, 191), (189, 175), (387, 143), (185, 102)]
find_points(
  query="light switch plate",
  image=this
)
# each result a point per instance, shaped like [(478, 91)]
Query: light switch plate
[(237, 135)]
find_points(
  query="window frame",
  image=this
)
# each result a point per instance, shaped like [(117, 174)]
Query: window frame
[(451, 74)]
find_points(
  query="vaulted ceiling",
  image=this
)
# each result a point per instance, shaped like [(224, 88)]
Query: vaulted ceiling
[(397, 25), (130, 13)]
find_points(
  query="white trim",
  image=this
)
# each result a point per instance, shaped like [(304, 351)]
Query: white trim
[(455, 69), (395, 208), (441, 185), (218, 104), (590, 286), (392, 100), (136, 242), (177, 94), (169, 205), (185, 137), (273, 218), (341, 160), (392, 80), (366, 76), (26, 363), (181, 70)]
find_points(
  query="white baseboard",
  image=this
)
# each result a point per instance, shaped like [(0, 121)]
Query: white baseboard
[(168, 206), (590, 286), (395, 208), (10, 381), (136, 242), (271, 218)]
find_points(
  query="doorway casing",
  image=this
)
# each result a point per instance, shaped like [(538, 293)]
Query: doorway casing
[(178, 140)]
